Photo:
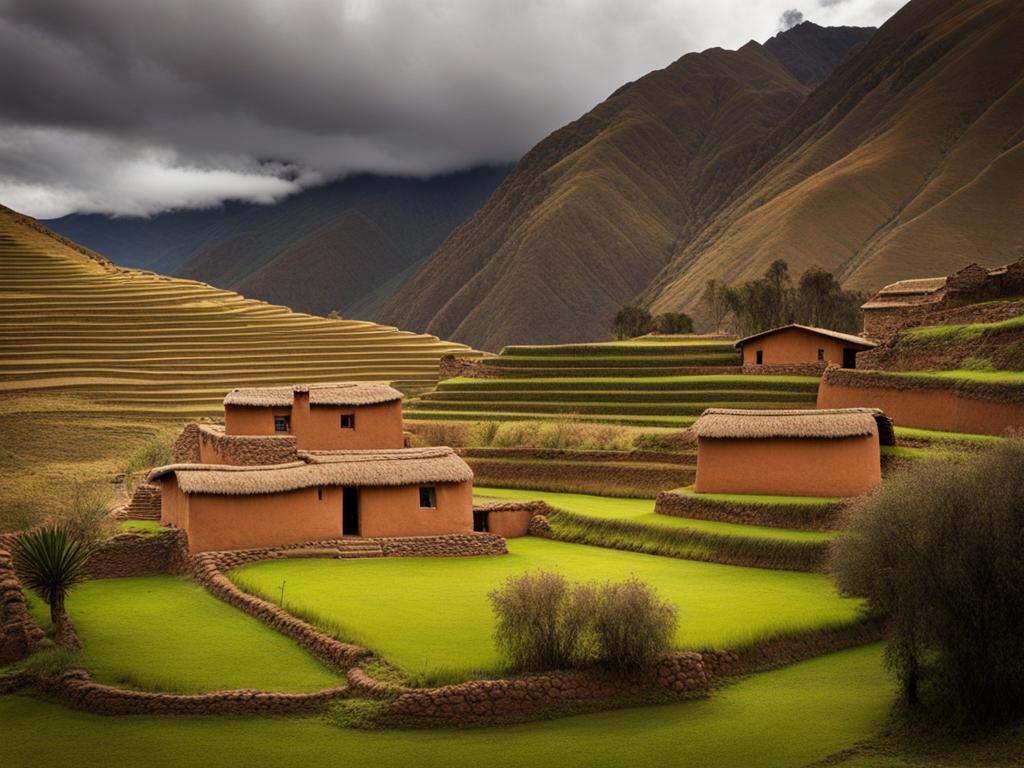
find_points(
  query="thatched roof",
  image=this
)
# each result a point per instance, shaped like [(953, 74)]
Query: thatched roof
[(339, 393), (737, 423), (401, 466), (847, 337)]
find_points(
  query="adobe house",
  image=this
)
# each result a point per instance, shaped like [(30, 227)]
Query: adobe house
[(321, 417), (790, 452), (909, 302), (796, 345), (403, 492)]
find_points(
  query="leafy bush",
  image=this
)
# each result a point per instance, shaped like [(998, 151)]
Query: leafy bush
[(85, 512), (544, 622), (672, 323), (157, 451), (631, 321), (632, 625), (940, 549)]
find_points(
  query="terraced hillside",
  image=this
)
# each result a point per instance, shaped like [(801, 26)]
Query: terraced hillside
[(90, 348), (646, 382)]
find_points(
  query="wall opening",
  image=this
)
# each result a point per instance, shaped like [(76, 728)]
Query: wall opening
[(849, 358), (760, 357), (349, 511), (428, 497)]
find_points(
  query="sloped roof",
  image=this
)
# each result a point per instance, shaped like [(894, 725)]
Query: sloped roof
[(377, 468), (739, 423), (340, 393), (847, 337)]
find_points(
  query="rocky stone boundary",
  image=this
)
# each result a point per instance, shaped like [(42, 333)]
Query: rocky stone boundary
[(453, 367), (618, 479), (19, 634), (77, 689), (478, 701), (816, 368), (139, 554), (781, 651), (801, 517)]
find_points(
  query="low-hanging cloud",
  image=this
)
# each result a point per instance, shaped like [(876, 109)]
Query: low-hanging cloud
[(791, 18), (132, 107)]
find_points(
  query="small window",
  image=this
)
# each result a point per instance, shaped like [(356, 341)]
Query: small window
[(320, 493), (760, 357), (281, 423), (428, 497), (348, 421), (821, 354)]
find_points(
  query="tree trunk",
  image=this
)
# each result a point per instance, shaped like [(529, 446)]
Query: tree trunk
[(64, 631)]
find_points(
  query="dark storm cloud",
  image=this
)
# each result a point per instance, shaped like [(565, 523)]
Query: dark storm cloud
[(135, 106), (791, 18)]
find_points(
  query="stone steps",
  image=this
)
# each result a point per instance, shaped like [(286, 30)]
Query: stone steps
[(144, 504)]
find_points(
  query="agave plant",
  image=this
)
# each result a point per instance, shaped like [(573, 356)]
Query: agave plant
[(49, 561)]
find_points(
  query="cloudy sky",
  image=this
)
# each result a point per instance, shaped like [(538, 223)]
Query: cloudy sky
[(132, 107)]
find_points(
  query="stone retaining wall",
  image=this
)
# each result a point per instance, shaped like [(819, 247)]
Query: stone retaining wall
[(526, 697), (620, 478), (19, 634), (454, 545), (803, 517), (76, 688), (138, 554), (815, 368), (452, 367)]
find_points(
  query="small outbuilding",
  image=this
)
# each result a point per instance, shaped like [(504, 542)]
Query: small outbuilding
[(321, 496), (797, 345), (828, 453), (322, 417)]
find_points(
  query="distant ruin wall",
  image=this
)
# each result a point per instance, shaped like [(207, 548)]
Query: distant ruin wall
[(452, 367), (949, 405)]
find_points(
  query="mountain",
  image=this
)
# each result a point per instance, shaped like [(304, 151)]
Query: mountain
[(810, 53), (592, 214), (905, 162), (330, 247)]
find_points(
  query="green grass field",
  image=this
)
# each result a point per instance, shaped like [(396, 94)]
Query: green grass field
[(432, 619), (783, 719), (745, 498), (167, 633), (642, 511)]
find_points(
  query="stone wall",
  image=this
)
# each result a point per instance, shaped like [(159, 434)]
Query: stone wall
[(240, 450), (526, 697), (451, 367), (454, 545), (806, 517), (144, 504), (795, 369), (615, 478), (76, 688), (138, 554), (19, 634)]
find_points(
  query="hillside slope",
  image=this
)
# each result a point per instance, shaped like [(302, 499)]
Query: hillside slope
[(591, 214), (355, 235), (905, 162)]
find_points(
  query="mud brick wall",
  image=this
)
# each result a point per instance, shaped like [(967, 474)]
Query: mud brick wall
[(519, 698), (132, 554), (812, 517), (815, 368), (186, 446), (19, 634)]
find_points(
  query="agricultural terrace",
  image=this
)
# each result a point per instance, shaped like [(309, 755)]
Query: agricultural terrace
[(614, 397), (794, 716), (166, 633), (434, 622), (97, 358)]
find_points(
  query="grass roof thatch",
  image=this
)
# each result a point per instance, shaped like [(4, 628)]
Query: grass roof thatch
[(847, 337), (340, 393), (397, 467), (735, 423)]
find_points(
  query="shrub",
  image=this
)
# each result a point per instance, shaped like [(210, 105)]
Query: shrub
[(544, 622), (631, 321), (85, 512), (940, 549), (633, 627), (672, 323), (157, 451)]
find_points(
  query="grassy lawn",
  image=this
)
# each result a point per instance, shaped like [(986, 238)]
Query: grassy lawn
[(995, 377), (931, 434), (166, 633), (745, 498), (432, 618), (139, 526), (690, 381), (783, 719), (642, 511)]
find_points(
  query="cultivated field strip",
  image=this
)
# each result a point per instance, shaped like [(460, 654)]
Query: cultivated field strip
[(130, 342)]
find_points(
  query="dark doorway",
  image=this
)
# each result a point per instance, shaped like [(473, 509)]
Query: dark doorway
[(849, 358), (480, 522), (349, 511), (760, 357)]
